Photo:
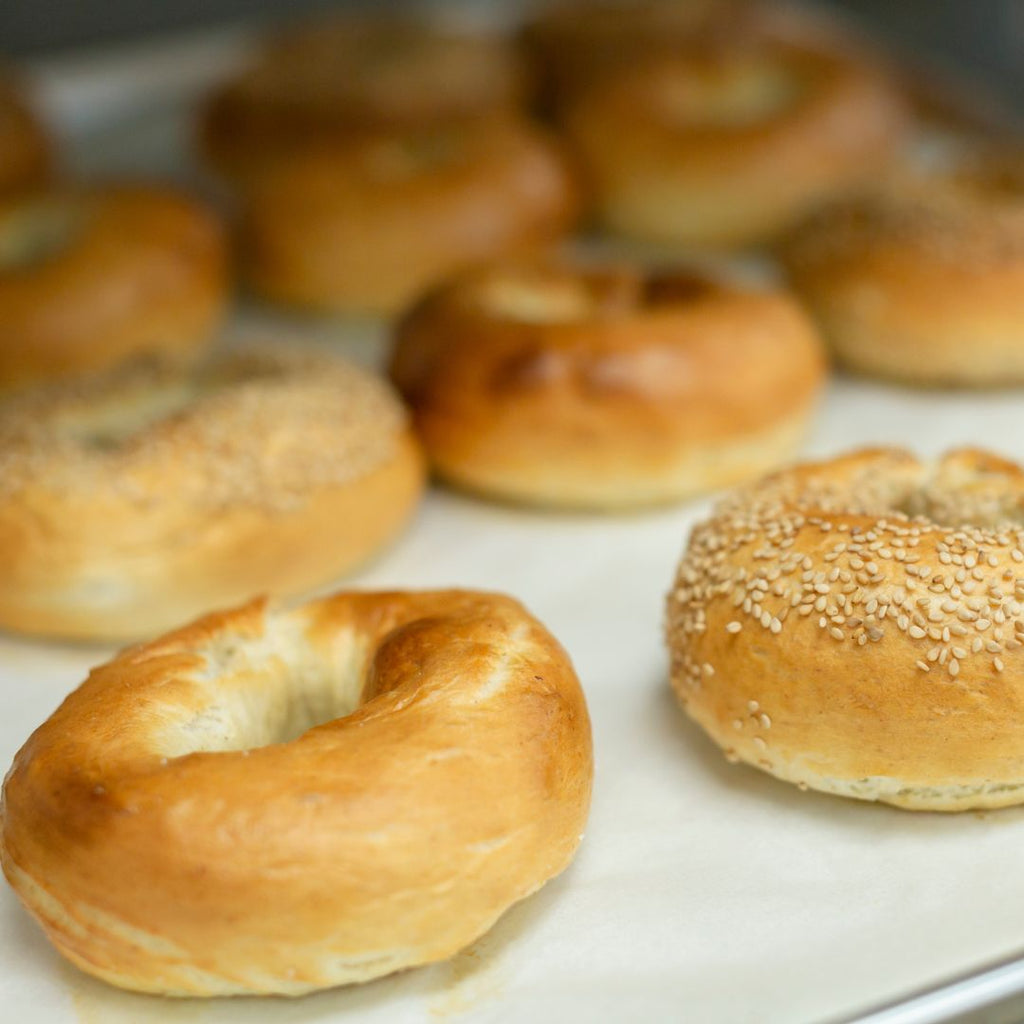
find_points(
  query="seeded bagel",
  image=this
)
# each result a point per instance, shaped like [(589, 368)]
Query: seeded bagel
[(136, 498), (857, 627), (922, 282)]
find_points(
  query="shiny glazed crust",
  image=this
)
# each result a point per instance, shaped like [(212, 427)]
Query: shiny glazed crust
[(604, 389), (728, 145), (923, 284), (24, 147), (281, 802), (133, 500), (88, 279), (349, 76), (857, 626), (365, 227)]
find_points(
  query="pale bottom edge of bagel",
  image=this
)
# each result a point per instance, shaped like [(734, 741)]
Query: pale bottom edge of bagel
[(886, 789), (911, 796), (702, 215), (334, 533), (924, 360), (76, 933), (699, 468)]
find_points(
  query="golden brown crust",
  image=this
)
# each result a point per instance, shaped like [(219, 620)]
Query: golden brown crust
[(275, 803), (728, 145), (856, 626), (133, 500), (350, 76), (368, 225), (25, 156), (923, 283), (604, 388), (92, 277)]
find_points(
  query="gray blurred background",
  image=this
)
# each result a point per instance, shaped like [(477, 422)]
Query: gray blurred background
[(984, 38)]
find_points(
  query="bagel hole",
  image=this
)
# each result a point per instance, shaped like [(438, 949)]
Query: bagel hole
[(270, 690), (108, 426), (552, 296), (729, 92), (32, 234), (410, 156), (957, 494)]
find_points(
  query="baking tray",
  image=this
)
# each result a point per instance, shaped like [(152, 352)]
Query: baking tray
[(703, 891)]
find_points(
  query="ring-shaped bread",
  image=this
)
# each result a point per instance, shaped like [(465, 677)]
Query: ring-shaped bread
[(367, 226), (281, 802), (604, 388), (922, 283), (351, 75), (91, 277), (727, 145), (137, 498), (856, 626)]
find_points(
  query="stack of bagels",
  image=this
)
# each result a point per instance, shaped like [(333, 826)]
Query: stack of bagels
[(156, 469)]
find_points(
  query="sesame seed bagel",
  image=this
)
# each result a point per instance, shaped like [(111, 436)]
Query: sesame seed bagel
[(24, 146), (923, 283), (91, 277), (351, 75), (855, 626), (727, 145), (604, 388), (139, 497), (278, 802), (365, 227)]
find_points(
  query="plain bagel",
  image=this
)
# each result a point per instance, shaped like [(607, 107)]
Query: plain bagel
[(856, 626), (280, 802), (368, 225), (137, 498), (90, 277), (604, 388), (727, 145), (330, 80)]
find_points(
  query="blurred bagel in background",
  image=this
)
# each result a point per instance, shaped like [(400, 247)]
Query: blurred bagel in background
[(329, 80), (727, 145), (90, 276), (137, 498), (922, 281), (366, 226)]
